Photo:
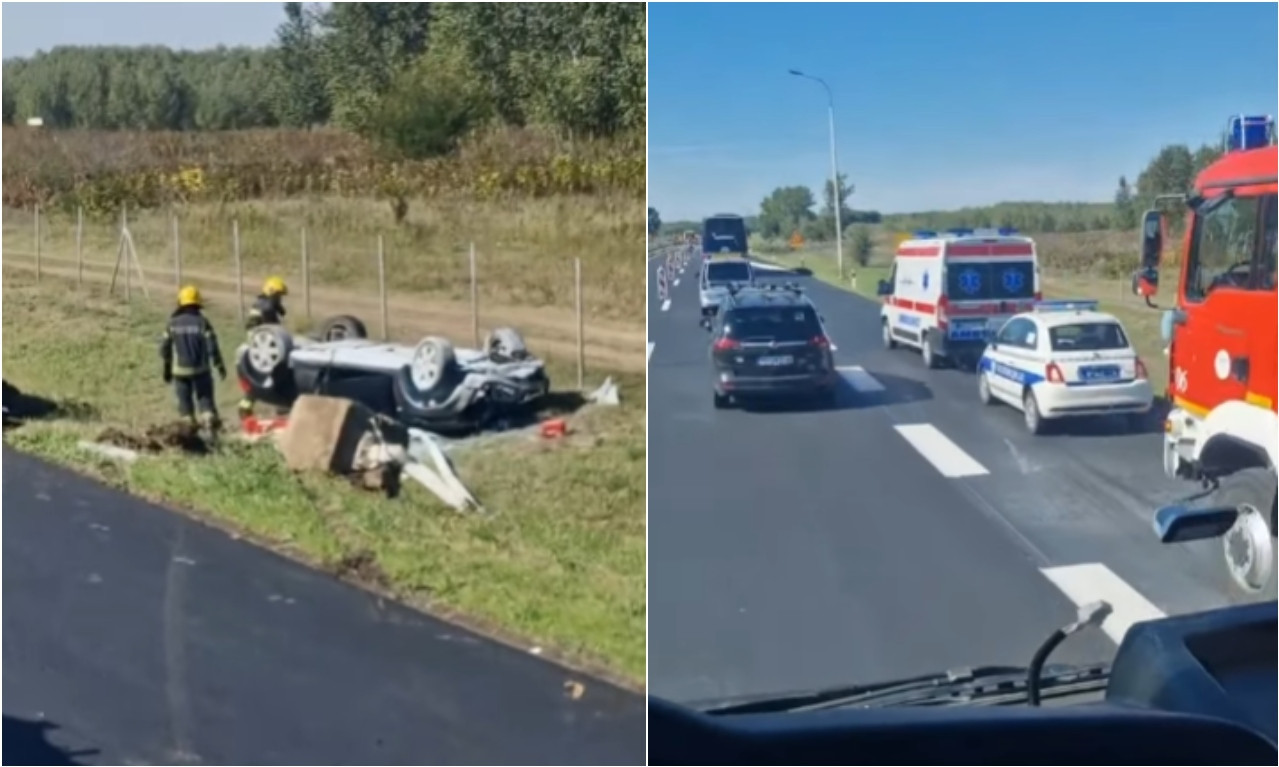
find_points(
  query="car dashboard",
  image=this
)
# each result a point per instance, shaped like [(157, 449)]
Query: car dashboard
[(1195, 689)]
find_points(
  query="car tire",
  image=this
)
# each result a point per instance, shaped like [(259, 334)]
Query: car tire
[(926, 352), (1035, 423), (983, 388), (721, 400), (1135, 423), (889, 342), (263, 363), (342, 326), (506, 345)]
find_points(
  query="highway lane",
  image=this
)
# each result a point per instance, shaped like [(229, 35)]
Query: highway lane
[(793, 549), (146, 638)]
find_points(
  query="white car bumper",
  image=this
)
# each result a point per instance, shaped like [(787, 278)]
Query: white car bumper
[(1062, 401)]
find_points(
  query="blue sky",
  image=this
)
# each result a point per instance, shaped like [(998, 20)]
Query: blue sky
[(29, 27), (940, 105)]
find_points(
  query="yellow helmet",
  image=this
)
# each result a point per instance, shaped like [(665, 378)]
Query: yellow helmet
[(189, 295), (275, 286)]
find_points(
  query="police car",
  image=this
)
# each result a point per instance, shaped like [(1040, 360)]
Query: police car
[(719, 276), (1064, 359)]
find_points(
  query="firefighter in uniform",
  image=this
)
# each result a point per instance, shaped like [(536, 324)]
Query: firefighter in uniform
[(190, 353), (267, 309)]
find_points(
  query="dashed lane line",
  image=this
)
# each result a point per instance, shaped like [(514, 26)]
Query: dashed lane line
[(650, 351), (945, 456), (1093, 581), (666, 305)]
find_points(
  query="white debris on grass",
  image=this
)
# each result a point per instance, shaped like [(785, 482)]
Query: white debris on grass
[(109, 451)]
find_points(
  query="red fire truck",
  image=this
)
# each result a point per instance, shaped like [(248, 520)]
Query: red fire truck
[(1223, 335)]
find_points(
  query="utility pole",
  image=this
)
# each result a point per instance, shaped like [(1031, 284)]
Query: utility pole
[(836, 202)]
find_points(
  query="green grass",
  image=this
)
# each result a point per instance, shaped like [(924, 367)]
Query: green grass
[(560, 563), (1113, 293), (525, 251)]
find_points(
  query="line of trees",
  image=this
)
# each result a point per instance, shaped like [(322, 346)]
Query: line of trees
[(417, 76), (793, 208)]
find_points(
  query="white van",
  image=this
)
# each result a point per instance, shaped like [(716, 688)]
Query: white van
[(947, 290)]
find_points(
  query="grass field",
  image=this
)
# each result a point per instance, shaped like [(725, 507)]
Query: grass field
[(525, 251), (561, 564), (1105, 264)]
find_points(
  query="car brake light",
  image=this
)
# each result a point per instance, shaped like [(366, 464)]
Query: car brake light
[(1141, 369), (821, 342), (1053, 374), (726, 344)]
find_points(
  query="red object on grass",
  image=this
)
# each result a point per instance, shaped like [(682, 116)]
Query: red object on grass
[(556, 427)]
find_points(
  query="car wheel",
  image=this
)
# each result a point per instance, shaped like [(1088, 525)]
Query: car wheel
[(721, 400), (926, 351), (432, 368), (983, 389), (506, 344), (1030, 409), (1136, 422), (889, 342), (268, 349), (342, 326)]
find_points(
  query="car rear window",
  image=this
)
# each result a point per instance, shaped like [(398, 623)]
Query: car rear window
[(772, 323), (1088, 337), (727, 272)]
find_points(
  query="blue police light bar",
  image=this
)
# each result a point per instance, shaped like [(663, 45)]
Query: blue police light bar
[(1076, 305), (924, 234), (1244, 132), (1007, 231), (960, 231)]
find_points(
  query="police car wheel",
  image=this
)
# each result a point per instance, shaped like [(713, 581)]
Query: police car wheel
[(983, 389), (889, 343), (1030, 409)]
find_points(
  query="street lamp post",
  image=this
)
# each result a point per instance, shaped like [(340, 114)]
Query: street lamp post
[(834, 170)]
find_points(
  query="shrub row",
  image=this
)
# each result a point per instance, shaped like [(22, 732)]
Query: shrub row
[(103, 171)]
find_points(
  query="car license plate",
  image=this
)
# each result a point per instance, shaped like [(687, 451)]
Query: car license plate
[(1099, 372), (778, 361)]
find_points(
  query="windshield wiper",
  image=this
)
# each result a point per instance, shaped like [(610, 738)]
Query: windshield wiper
[(987, 685)]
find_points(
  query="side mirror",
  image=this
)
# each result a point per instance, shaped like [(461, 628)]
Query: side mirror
[(1178, 524), (1153, 232), (884, 288)]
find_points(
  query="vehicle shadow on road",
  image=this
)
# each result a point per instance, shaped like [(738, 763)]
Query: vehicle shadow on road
[(26, 742), (1111, 426), (896, 391), (20, 406)]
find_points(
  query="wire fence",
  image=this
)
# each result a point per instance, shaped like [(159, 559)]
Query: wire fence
[(87, 251)]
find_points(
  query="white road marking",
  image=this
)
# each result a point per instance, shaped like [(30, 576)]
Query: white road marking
[(859, 379), (763, 267), (1093, 581), (947, 457), (650, 351), (676, 283), (666, 305)]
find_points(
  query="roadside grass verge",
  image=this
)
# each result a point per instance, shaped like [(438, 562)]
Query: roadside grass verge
[(524, 247), (559, 564)]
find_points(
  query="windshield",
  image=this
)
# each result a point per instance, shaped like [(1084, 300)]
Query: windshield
[(1233, 246), (990, 281), (1088, 337), (774, 323), (724, 273), (724, 235)]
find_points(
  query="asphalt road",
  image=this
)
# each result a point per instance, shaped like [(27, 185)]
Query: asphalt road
[(136, 636), (906, 531)]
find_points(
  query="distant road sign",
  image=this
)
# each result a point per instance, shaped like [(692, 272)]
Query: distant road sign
[(796, 240)]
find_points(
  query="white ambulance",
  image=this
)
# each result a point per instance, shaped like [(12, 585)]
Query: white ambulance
[(948, 290)]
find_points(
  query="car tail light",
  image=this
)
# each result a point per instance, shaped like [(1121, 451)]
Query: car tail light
[(1141, 369), (821, 342), (245, 385), (1054, 374), (726, 344), (942, 317)]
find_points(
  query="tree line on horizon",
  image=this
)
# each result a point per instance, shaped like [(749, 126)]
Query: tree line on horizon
[(789, 209), (414, 77)]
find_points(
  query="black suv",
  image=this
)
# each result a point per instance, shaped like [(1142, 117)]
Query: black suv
[(767, 340)]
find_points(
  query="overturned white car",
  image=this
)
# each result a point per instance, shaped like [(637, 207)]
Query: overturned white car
[(431, 385)]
